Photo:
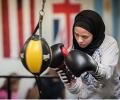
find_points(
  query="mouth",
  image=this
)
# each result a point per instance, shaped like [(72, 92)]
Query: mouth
[(82, 45)]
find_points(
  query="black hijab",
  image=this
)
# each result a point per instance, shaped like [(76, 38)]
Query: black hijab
[(93, 23)]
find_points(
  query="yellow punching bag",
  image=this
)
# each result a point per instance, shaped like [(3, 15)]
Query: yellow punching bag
[(36, 54)]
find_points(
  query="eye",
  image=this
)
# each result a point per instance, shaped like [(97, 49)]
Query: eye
[(76, 34), (84, 37)]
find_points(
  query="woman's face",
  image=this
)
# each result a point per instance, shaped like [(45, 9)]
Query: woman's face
[(15, 86), (82, 36)]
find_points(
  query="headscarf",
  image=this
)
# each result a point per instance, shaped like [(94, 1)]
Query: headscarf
[(93, 23)]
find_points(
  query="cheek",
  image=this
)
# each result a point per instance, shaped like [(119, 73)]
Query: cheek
[(15, 87), (90, 40)]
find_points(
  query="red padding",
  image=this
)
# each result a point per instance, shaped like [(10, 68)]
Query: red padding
[(64, 51)]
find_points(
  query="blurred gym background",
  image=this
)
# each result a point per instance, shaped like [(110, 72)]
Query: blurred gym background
[(18, 18)]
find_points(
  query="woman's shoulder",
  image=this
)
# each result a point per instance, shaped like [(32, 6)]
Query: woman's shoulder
[(109, 39), (109, 42), (3, 94)]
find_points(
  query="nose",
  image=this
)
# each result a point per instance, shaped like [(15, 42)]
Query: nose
[(80, 40)]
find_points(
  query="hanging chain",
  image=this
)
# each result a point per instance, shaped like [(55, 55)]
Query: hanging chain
[(41, 14)]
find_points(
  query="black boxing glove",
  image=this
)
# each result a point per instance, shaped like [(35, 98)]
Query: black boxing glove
[(57, 55), (57, 62), (79, 62)]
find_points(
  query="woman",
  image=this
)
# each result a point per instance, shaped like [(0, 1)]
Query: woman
[(14, 87), (89, 36)]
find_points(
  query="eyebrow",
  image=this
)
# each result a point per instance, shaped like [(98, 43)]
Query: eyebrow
[(82, 34), (76, 33)]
